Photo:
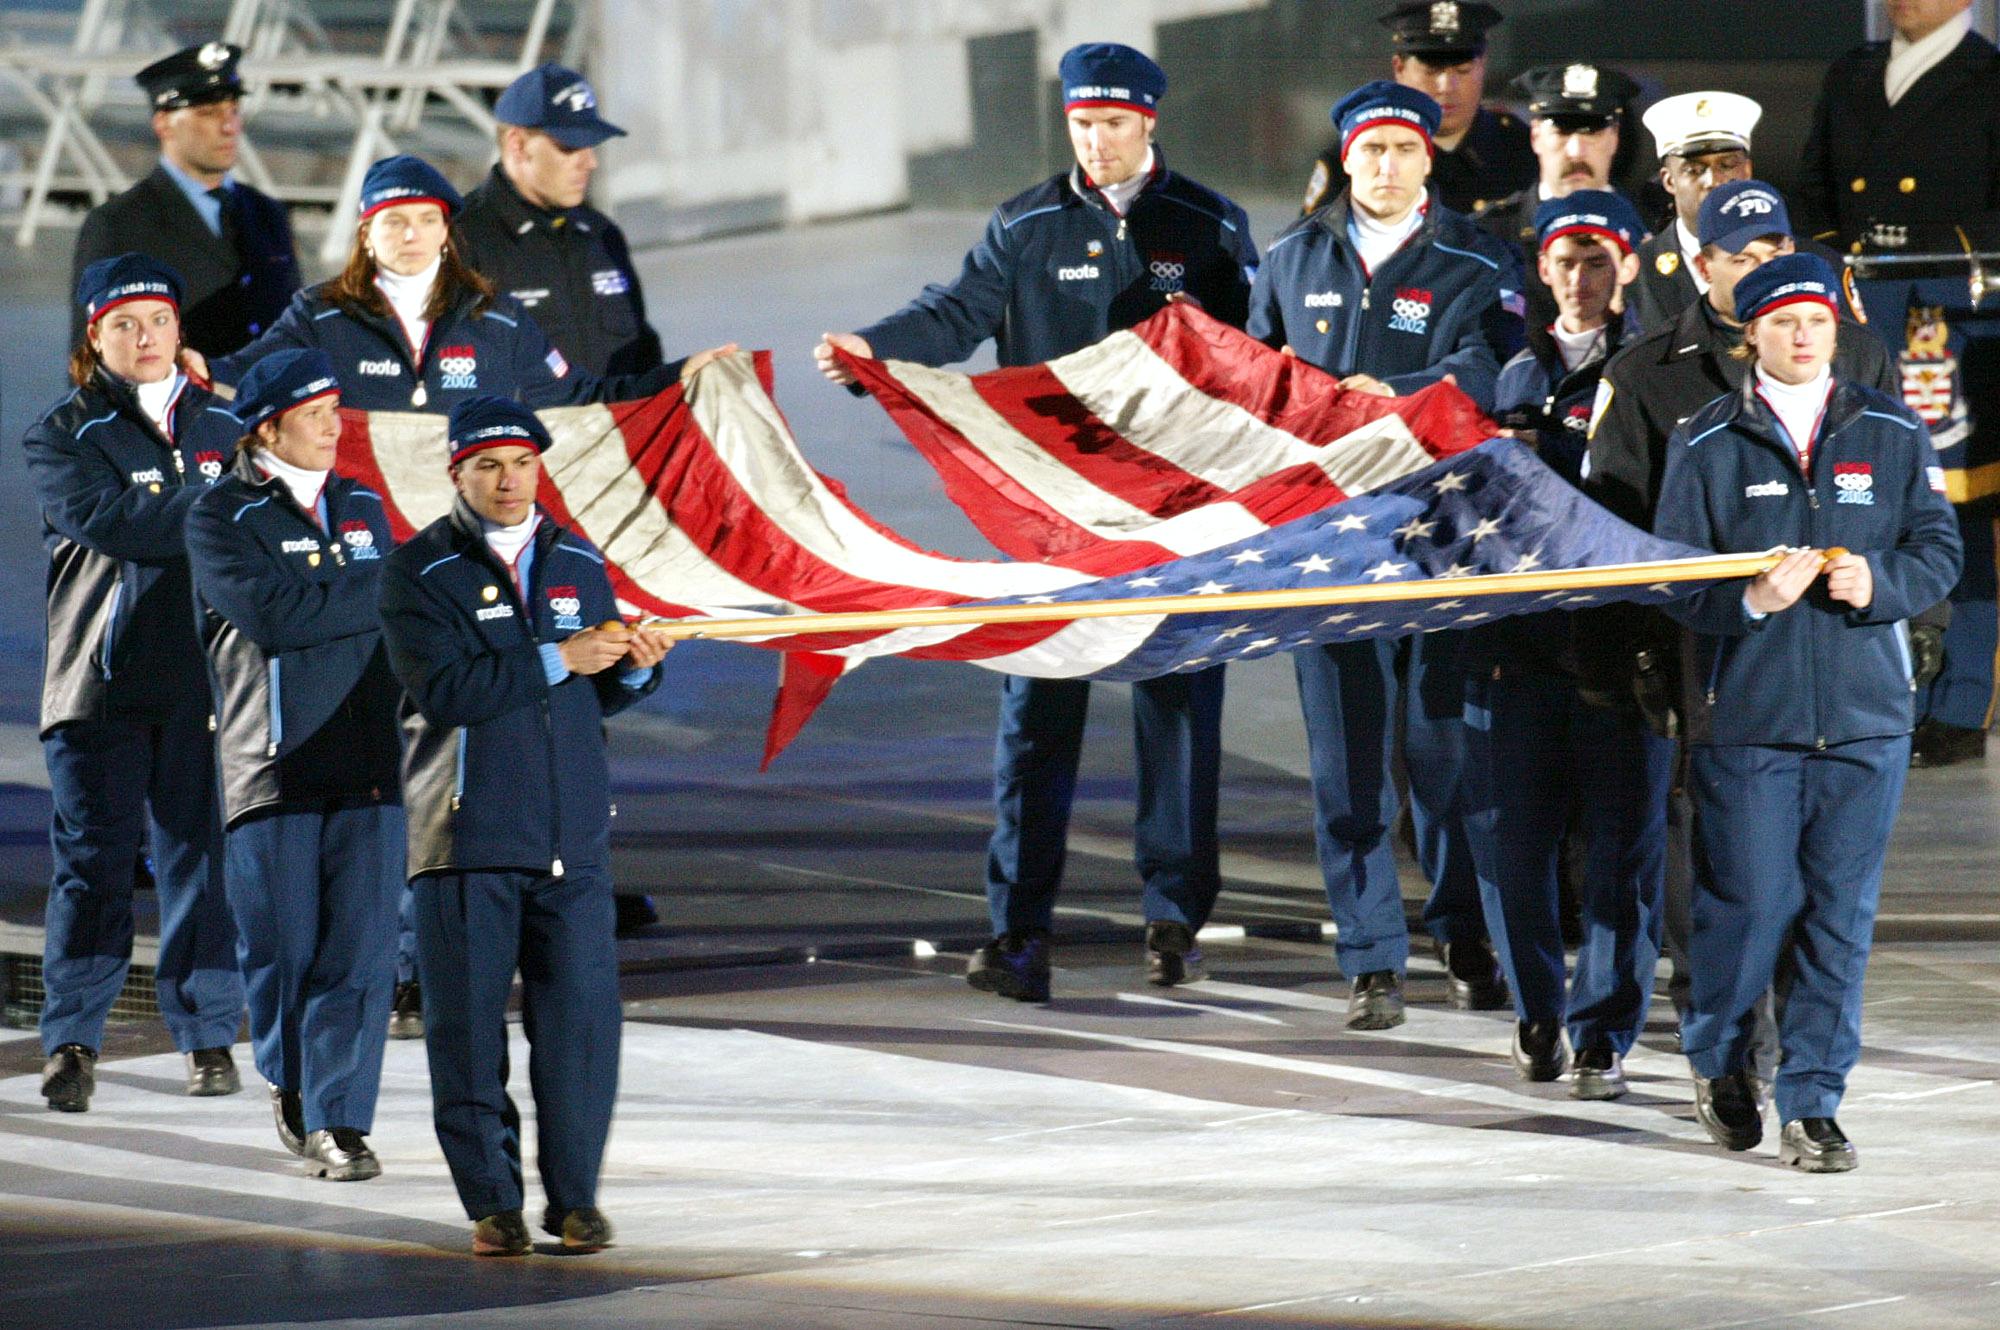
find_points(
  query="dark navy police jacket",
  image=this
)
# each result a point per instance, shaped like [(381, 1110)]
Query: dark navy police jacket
[(115, 495), (470, 352), (1437, 306), (1820, 672), (1058, 270), (501, 769), (305, 705)]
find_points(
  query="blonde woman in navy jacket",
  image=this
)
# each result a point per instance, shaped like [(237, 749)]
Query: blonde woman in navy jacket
[(287, 561), (1801, 726)]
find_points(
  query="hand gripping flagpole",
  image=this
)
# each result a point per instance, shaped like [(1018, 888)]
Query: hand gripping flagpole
[(1719, 567)]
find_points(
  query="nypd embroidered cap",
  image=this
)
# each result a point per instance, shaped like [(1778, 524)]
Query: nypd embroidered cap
[(115, 281), (281, 382), (205, 73), (1453, 28), (1107, 74), (1693, 123), (1786, 280), (1385, 103), (1739, 212), (1576, 95), (1595, 212), (406, 179), (479, 423), (560, 102)]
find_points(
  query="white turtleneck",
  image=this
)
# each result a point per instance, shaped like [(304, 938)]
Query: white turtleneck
[(1120, 195), (306, 486), (157, 399), (1690, 246), (1577, 348), (1911, 60), (408, 296), (1798, 406), (508, 541), (1376, 240)]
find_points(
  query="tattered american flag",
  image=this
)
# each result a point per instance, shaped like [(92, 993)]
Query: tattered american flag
[(1180, 456)]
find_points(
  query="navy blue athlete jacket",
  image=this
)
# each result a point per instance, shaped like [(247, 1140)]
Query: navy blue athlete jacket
[(1447, 302), (501, 769), (1058, 270), (305, 705), (1820, 672), (469, 352)]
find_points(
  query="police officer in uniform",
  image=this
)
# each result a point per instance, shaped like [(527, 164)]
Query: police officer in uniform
[(1081, 255), (1576, 117), (1703, 140), (504, 632), (1648, 389), (1482, 152), (528, 230), (1801, 729), (287, 563), (1903, 157), (1390, 291), (231, 245), (125, 719)]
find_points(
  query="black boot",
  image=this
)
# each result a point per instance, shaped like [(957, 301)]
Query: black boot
[(1472, 975), (1013, 965), (69, 1077), (406, 1012), (290, 1113), (1816, 1145), (582, 1229), (1600, 1074), (1730, 1109), (502, 1234), (1171, 955), (1376, 1002), (340, 1154), (1539, 1052), (212, 1071)]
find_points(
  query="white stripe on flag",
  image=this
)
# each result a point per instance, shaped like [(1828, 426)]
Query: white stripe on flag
[(1082, 647), (411, 452)]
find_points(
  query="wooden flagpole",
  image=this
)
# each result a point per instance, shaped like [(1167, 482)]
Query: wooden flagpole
[(1227, 602)]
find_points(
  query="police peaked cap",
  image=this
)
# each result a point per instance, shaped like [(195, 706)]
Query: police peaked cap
[(1595, 212), (1739, 212), (479, 423), (1107, 74), (1385, 103), (1440, 27), (406, 179), (114, 281), (205, 73), (560, 102), (1575, 92), (281, 382), (1786, 280)]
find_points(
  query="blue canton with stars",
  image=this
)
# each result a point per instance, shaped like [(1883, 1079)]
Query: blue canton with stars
[(1494, 509)]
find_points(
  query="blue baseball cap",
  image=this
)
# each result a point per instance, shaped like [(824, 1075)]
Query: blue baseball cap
[(1595, 212), (1739, 212), (479, 423), (406, 179), (115, 281), (282, 381), (1787, 280), (1385, 103), (559, 102), (1107, 74)]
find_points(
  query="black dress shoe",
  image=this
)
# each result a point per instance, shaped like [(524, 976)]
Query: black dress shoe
[(1013, 965), (1539, 1051), (340, 1154), (69, 1077), (1472, 975), (635, 915), (1730, 1109), (212, 1071), (1376, 1002), (1816, 1145), (582, 1229), (290, 1112), (1599, 1074), (1936, 744), (1171, 955), (406, 1012), (503, 1234)]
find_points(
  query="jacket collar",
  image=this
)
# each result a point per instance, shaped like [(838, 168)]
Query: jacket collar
[(469, 532), (1617, 331), (1334, 218), (1843, 404), (123, 396), (1089, 195), (245, 469), (521, 216)]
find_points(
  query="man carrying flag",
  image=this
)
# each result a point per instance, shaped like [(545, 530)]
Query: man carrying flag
[(1390, 291), (1081, 255)]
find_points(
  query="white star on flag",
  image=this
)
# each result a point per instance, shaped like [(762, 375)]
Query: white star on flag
[(1368, 627), (1661, 588), (1210, 588), (1415, 528), (1474, 617), (1527, 562), (1314, 563), (1262, 643), (1237, 631), (1242, 557), (1487, 527), (1448, 605), (1038, 600), (1143, 582), (1351, 522), (1450, 480), (1385, 570), (1458, 570), (1338, 618)]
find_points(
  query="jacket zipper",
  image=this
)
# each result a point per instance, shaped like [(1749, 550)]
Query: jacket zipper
[(277, 713), (458, 781)]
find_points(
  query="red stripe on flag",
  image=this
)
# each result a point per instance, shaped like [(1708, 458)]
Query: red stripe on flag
[(356, 460)]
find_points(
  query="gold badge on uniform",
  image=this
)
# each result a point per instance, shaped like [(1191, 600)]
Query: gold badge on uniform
[(490, 593), (1668, 263), (1093, 249), (312, 560)]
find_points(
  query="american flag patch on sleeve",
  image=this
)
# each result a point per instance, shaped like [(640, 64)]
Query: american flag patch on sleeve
[(557, 365), (1514, 303)]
